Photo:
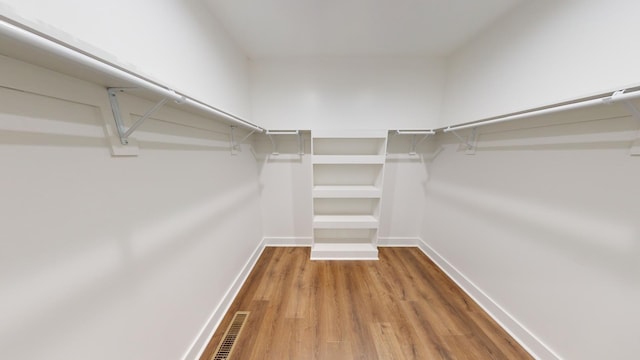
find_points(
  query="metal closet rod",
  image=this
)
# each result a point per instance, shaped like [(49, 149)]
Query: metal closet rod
[(614, 97), (415, 132), (283, 132), (34, 39)]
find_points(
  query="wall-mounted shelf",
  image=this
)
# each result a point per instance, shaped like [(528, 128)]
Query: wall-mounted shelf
[(345, 222), (346, 191), (348, 159), (349, 251), (348, 169)]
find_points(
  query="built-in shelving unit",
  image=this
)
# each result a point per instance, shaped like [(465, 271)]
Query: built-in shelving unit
[(348, 169)]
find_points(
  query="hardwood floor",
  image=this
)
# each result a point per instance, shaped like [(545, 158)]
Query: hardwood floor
[(400, 307)]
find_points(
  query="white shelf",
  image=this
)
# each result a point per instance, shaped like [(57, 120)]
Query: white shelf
[(350, 134), (344, 251), (345, 222), (348, 159), (346, 191)]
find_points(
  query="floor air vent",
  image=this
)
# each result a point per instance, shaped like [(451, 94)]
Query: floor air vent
[(229, 339)]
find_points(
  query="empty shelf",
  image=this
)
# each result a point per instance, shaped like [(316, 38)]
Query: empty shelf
[(345, 222), (348, 159), (344, 251), (349, 134), (346, 191)]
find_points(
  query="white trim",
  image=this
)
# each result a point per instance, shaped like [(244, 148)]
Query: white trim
[(341, 258), (349, 133), (398, 241), (288, 241), (343, 251), (521, 334), (204, 336)]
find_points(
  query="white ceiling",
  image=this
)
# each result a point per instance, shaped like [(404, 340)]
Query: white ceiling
[(292, 28)]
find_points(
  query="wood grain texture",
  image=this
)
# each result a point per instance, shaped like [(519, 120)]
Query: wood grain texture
[(399, 307)]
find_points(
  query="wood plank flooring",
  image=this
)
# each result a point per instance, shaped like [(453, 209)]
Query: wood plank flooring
[(399, 307)]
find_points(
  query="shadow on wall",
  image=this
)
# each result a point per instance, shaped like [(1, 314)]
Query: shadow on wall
[(285, 179), (135, 254), (613, 246), (564, 181), (158, 134), (594, 128), (85, 231), (30, 119)]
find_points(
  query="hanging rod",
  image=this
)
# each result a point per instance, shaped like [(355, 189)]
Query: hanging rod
[(614, 97), (63, 50), (283, 132), (415, 132)]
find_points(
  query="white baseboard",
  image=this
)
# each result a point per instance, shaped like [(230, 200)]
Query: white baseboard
[(199, 345), (398, 241), (524, 337), (288, 241)]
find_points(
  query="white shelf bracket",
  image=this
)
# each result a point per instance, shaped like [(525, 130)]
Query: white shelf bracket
[(123, 132), (300, 144), (235, 147), (414, 143), (469, 143), (473, 141), (274, 144), (415, 133)]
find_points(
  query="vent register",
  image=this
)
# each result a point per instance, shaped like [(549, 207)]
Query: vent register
[(226, 346)]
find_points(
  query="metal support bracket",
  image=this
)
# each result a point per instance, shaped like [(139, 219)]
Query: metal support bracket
[(123, 132), (414, 143), (300, 144), (274, 145), (415, 133), (469, 143), (473, 141), (235, 147)]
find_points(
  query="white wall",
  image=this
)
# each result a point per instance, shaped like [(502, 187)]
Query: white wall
[(541, 53), (544, 221), (113, 257), (347, 93), (405, 178), (285, 189), (178, 43)]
